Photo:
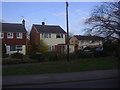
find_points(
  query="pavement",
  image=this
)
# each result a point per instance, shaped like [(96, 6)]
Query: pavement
[(58, 77)]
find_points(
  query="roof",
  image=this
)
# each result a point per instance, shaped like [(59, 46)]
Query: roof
[(13, 27), (79, 37), (49, 29)]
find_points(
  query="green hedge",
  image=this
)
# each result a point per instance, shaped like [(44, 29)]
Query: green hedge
[(17, 55), (16, 61), (82, 54)]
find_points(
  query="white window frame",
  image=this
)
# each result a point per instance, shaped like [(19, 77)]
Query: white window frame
[(1, 35), (10, 36), (19, 35), (19, 48), (60, 35), (45, 35), (16, 48)]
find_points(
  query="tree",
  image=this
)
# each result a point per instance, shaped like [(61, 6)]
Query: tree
[(38, 48), (105, 20)]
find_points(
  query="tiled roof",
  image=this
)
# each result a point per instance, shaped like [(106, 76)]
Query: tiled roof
[(79, 37), (13, 27), (49, 29)]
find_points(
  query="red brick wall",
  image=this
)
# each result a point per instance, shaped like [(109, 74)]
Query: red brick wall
[(34, 35), (14, 40)]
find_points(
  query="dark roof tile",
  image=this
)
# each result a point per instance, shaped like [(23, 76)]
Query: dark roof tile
[(13, 27), (49, 29), (79, 37)]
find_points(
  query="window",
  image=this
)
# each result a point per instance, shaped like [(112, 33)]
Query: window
[(1, 35), (19, 35), (46, 35), (59, 36), (12, 48), (19, 48), (16, 48), (9, 35)]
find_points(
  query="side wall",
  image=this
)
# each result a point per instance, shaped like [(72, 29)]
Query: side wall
[(34, 35)]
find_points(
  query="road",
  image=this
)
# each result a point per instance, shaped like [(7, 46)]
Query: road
[(103, 83)]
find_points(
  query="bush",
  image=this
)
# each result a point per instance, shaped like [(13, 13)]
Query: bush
[(4, 55), (99, 54), (73, 56), (82, 54), (52, 56), (36, 57), (16, 61), (17, 55)]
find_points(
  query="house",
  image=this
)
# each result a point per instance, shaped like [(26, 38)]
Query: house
[(13, 36), (80, 42), (50, 34)]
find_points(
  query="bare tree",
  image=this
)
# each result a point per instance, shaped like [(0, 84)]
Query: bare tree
[(105, 20)]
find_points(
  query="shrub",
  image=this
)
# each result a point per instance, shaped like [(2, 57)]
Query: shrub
[(99, 54), (82, 54), (52, 56), (73, 56), (16, 61), (17, 55), (4, 55), (38, 57)]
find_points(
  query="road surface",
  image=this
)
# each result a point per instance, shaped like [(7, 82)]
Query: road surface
[(105, 83)]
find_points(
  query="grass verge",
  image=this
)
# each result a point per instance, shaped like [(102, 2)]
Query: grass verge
[(104, 63)]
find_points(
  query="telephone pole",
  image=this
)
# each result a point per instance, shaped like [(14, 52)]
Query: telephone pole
[(67, 30)]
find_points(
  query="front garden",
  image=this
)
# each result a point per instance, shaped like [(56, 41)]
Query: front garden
[(75, 65)]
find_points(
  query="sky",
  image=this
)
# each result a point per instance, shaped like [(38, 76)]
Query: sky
[(52, 13)]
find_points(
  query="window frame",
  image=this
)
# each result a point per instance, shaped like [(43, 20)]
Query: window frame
[(59, 35), (1, 35), (19, 35), (11, 36), (19, 48), (16, 48), (13, 48), (46, 35)]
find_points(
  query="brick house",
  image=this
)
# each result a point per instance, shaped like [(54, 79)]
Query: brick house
[(14, 36), (81, 42), (50, 34)]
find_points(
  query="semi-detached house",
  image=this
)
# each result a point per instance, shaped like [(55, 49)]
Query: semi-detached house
[(13, 36), (52, 35)]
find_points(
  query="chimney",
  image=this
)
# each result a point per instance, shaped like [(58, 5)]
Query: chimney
[(23, 22), (43, 23)]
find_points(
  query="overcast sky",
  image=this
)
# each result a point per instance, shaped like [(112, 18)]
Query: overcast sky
[(52, 13)]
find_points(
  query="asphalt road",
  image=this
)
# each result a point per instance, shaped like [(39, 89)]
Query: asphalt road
[(105, 83)]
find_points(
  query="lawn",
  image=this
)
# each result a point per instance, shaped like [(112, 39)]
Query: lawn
[(103, 63)]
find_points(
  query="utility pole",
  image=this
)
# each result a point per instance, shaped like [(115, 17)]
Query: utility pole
[(67, 30)]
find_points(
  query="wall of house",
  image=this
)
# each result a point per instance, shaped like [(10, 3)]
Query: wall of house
[(63, 48), (53, 40), (85, 43), (11, 52), (34, 35), (14, 40), (71, 49), (74, 40)]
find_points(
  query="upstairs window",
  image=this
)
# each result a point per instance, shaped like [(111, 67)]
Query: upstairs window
[(46, 35), (19, 35), (1, 35), (59, 35), (9, 35)]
